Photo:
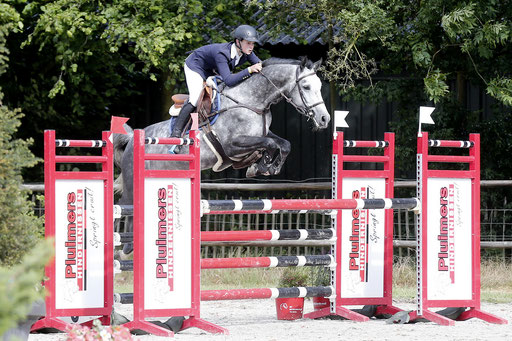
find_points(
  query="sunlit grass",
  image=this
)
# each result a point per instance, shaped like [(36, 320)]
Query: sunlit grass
[(123, 282), (496, 281), (240, 278)]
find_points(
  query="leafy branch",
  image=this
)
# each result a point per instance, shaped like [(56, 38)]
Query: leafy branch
[(474, 36)]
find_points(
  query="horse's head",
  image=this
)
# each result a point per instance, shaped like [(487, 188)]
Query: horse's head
[(307, 96), (291, 79)]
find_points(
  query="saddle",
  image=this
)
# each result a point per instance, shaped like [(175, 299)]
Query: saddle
[(205, 102), (179, 100), (204, 110)]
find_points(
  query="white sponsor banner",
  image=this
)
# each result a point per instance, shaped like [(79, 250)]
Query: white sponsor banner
[(167, 244), (449, 273), (79, 244), (362, 241)]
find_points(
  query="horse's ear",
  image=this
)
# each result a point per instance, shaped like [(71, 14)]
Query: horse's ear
[(303, 62), (317, 65)]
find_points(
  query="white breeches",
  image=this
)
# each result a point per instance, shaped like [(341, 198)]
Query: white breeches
[(194, 84)]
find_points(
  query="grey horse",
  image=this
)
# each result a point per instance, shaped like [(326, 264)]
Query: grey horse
[(243, 126)]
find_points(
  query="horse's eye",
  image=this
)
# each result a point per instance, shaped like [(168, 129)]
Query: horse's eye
[(306, 87)]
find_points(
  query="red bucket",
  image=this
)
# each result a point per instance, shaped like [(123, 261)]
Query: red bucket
[(289, 308), (320, 303)]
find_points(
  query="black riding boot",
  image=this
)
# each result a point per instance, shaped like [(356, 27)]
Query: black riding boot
[(180, 123), (182, 119)]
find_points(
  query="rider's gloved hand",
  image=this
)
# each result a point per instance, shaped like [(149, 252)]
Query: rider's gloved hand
[(210, 81), (255, 68)]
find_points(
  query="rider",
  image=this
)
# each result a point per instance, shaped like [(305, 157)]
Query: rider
[(218, 59)]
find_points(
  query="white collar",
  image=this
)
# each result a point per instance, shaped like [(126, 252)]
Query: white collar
[(234, 53)]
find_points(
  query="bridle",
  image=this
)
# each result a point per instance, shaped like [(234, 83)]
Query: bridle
[(307, 110)]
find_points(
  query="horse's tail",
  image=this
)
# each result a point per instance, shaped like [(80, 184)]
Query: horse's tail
[(120, 142)]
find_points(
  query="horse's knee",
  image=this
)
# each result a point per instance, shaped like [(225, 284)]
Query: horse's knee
[(286, 148)]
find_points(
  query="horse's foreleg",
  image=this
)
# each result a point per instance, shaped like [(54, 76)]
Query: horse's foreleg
[(279, 159), (275, 151)]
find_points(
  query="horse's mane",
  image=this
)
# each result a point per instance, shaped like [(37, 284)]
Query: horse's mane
[(281, 61)]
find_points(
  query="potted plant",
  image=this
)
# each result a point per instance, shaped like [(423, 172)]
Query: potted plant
[(291, 308)]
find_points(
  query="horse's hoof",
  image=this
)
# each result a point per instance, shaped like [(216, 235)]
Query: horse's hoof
[(252, 171)]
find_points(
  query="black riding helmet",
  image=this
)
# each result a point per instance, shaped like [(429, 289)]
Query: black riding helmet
[(246, 32)]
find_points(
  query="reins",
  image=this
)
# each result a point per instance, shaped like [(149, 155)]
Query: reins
[(241, 105)]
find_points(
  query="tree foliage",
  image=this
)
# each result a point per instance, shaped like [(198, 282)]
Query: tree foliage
[(9, 21), (20, 229), (348, 24), (76, 63), (424, 53), (144, 35), (434, 40)]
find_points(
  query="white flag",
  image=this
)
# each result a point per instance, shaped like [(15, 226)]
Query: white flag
[(425, 117), (339, 119)]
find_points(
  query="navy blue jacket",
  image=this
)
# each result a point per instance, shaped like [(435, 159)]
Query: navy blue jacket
[(214, 59)]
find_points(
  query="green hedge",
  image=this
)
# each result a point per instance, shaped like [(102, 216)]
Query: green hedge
[(20, 229)]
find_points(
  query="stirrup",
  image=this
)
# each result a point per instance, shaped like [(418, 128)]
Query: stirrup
[(175, 149)]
